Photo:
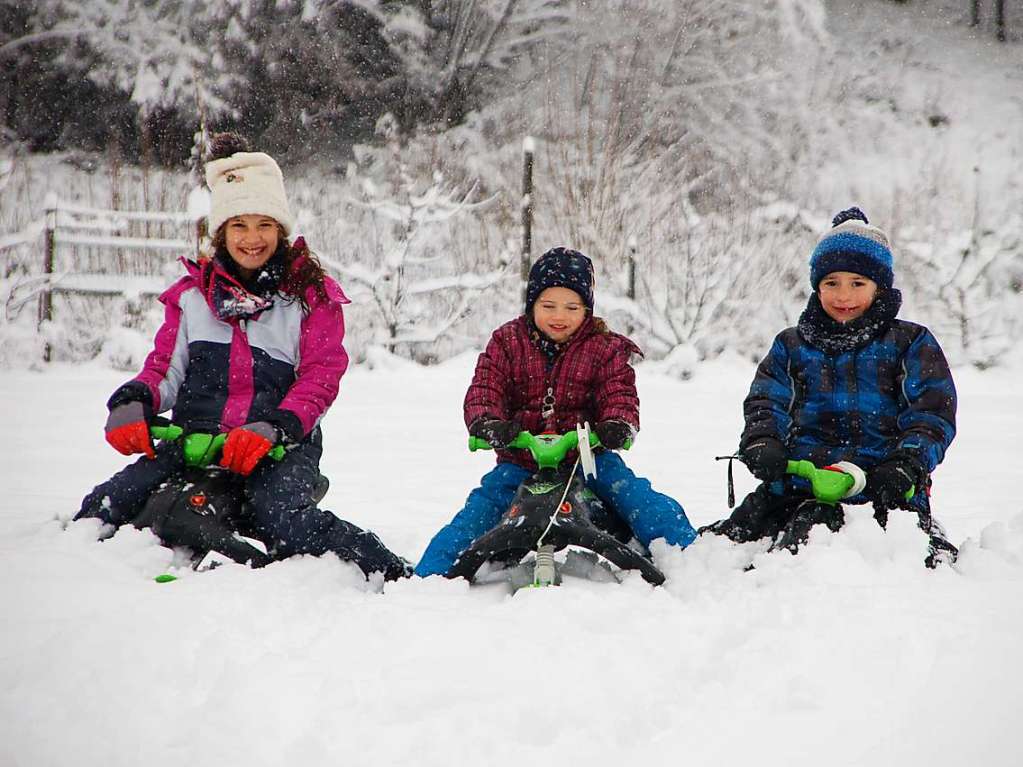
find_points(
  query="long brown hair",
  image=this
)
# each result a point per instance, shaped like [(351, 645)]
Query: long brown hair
[(302, 270)]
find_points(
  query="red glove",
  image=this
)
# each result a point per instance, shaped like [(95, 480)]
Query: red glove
[(246, 445), (127, 430)]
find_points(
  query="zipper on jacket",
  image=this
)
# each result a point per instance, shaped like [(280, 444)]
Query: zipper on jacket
[(549, 404), (856, 425), (547, 408)]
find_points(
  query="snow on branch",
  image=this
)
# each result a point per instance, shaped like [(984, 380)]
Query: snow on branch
[(409, 271)]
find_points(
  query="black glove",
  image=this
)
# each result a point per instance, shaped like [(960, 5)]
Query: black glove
[(498, 433), (614, 434), (889, 482), (766, 458)]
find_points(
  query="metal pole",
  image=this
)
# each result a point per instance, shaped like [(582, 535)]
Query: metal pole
[(527, 209), (46, 297)]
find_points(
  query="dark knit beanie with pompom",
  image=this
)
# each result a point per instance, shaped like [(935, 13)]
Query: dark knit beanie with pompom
[(852, 245)]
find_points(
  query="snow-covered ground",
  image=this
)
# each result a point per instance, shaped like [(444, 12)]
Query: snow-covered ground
[(851, 653)]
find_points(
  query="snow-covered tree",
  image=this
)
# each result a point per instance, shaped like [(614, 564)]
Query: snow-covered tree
[(159, 51), (455, 48), (966, 282), (404, 268)]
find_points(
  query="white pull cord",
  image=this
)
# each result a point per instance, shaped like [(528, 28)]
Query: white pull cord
[(554, 514)]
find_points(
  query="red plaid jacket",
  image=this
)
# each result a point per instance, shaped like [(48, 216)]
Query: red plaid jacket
[(591, 380)]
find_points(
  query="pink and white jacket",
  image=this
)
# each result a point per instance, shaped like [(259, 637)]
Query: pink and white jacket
[(215, 372)]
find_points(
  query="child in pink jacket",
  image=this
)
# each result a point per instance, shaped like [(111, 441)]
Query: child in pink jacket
[(251, 346)]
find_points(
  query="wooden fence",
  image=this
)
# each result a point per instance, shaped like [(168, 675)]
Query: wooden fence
[(97, 252)]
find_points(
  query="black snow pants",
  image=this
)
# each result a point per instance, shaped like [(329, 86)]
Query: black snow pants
[(278, 496)]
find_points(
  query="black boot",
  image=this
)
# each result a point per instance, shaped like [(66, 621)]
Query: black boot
[(809, 513)]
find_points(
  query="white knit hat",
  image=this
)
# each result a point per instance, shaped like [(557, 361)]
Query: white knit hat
[(247, 183)]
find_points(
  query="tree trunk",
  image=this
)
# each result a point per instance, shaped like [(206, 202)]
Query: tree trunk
[(1000, 20), (974, 13)]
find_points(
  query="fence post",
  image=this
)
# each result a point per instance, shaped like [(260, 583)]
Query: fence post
[(528, 147), (631, 286), (46, 296)]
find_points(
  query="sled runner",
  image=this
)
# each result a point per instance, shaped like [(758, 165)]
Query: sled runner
[(552, 511)]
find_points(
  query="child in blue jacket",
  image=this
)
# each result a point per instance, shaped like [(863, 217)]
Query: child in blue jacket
[(851, 383)]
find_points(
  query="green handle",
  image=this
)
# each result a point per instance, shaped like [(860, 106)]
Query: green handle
[(167, 433), (201, 449), (828, 485), (549, 450)]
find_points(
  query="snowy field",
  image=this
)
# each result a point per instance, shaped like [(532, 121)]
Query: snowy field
[(849, 654)]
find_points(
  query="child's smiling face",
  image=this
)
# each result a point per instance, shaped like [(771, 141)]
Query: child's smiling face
[(846, 295), (251, 240), (559, 312)]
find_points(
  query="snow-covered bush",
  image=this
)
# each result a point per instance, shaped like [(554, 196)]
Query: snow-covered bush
[(402, 263)]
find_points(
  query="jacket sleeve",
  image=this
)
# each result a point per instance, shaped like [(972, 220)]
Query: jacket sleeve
[(768, 406), (615, 393), (927, 423), (156, 386), (322, 362), (487, 394)]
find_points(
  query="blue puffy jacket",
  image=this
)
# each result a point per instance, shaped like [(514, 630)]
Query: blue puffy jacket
[(893, 393)]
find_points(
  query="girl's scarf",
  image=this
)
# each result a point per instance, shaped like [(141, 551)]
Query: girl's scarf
[(234, 297)]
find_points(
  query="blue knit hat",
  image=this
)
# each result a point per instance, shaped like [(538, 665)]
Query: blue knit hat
[(561, 268), (852, 245)]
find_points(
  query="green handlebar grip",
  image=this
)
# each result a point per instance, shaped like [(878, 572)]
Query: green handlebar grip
[(167, 433), (548, 450), (524, 440), (477, 443), (201, 449), (828, 486)]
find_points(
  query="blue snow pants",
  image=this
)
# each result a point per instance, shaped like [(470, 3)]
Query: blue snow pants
[(650, 514), (278, 495)]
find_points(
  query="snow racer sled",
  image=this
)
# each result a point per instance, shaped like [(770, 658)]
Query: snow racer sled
[(201, 509), (553, 510), (830, 487)]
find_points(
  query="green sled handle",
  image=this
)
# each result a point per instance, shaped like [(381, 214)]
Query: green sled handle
[(549, 450), (200, 450), (829, 485)]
